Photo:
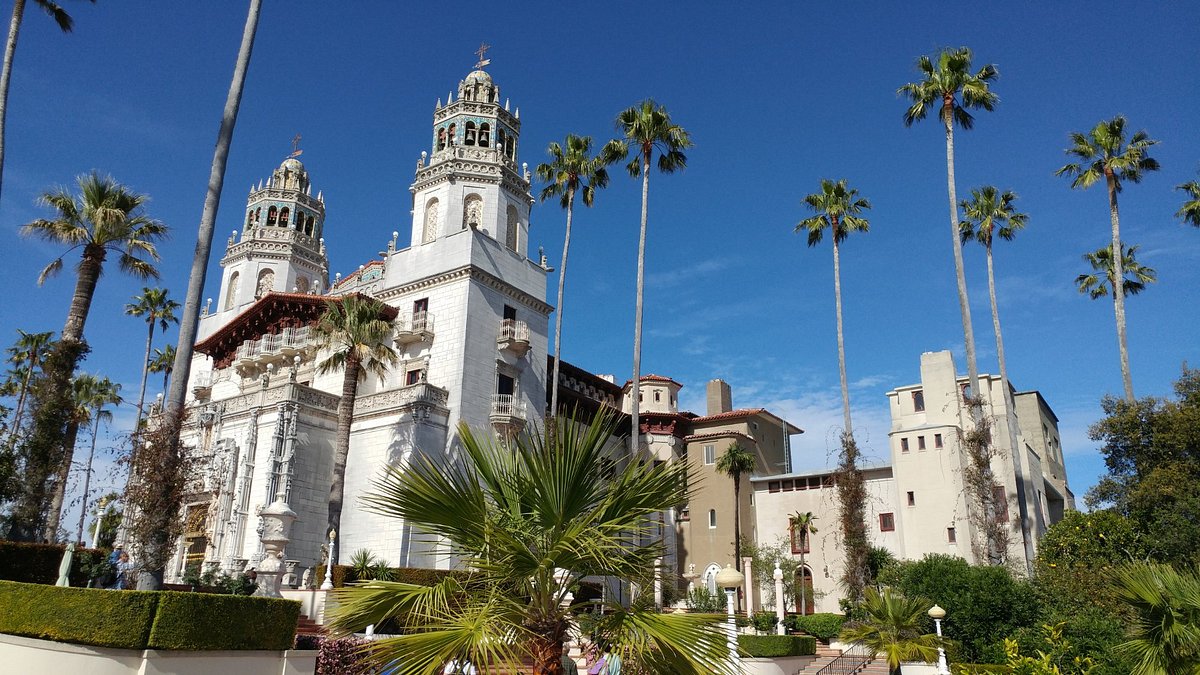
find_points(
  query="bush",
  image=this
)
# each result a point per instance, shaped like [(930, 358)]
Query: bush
[(705, 602), (343, 656), (199, 621), (774, 646), (344, 574), (764, 622), (38, 563), (824, 627), (978, 669)]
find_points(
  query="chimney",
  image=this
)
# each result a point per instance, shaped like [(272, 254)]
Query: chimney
[(720, 399)]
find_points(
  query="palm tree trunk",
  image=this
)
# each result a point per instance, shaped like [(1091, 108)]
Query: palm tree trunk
[(964, 304), (85, 288), (10, 50), (54, 515), (1118, 286), (636, 392), (145, 373), (547, 654), (87, 478), (562, 280), (803, 580), (837, 303), (16, 424), (341, 448)]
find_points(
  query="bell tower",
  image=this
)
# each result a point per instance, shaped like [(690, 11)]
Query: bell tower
[(470, 179)]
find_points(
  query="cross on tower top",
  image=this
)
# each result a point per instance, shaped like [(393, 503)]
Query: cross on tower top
[(483, 47), (296, 146)]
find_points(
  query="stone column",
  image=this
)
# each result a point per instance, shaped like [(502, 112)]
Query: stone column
[(780, 601), (748, 587)]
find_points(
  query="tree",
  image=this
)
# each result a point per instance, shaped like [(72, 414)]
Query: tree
[(1165, 636), (106, 392), (1102, 279), (163, 362), (1104, 153), (764, 557), (527, 520), (648, 130), (735, 462), (355, 331), (27, 354), (65, 24), (1190, 211), (571, 170), (892, 629), (155, 307), (85, 389), (803, 526)]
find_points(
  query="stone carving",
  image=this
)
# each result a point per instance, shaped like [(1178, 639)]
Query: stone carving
[(423, 393), (266, 281), (429, 233), (472, 211)]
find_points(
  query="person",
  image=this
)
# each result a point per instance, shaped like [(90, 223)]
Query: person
[(124, 572), (597, 662), (568, 663), (115, 556), (612, 662)]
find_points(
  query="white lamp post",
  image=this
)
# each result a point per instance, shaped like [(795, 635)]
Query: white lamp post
[(780, 614), (327, 585), (730, 579), (937, 614)]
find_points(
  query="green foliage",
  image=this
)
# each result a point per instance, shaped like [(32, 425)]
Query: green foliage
[(213, 581), (1164, 637), (824, 626), (1085, 633), (38, 563), (764, 622), (345, 574), (775, 646), (894, 628), (703, 601), (79, 615), (978, 668), (200, 621), (362, 562), (764, 557), (852, 498), (1051, 661), (343, 656), (1080, 549)]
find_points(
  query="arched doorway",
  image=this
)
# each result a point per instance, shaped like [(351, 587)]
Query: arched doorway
[(804, 582)]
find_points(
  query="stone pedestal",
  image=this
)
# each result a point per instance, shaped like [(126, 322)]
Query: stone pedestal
[(277, 520)]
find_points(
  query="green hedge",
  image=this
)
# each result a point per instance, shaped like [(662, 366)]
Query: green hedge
[(774, 646), (978, 669), (344, 574), (38, 563), (824, 627), (147, 619)]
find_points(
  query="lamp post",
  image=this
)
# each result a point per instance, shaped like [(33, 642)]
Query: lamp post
[(327, 585), (937, 614), (730, 579)]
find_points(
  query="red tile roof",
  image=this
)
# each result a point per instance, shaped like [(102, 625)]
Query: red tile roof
[(717, 434), (654, 378)]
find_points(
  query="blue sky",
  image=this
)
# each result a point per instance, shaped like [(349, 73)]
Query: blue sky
[(776, 96)]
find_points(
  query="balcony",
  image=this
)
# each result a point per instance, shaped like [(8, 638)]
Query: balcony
[(513, 337), (416, 328), (253, 356), (508, 414), (202, 385)]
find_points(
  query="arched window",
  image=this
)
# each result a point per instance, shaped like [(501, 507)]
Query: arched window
[(501, 139), (271, 215), (710, 577), (308, 226), (469, 134), (441, 139), (249, 219), (266, 282), (712, 519), (430, 230), (258, 215), (450, 135), (285, 217), (804, 583), (231, 292), (473, 211), (302, 284), (514, 224), (485, 131)]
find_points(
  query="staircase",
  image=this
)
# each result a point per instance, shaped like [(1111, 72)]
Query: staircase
[(828, 662), (306, 626)]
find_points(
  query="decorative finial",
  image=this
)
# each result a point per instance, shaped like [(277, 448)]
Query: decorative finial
[(506, 105), (483, 47), (296, 151), (439, 102)]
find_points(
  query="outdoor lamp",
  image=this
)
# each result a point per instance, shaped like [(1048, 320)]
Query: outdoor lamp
[(730, 580), (937, 614)]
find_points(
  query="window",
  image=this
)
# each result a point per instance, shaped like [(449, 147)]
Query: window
[(231, 294), (951, 536), (937, 440), (510, 312), (284, 217), (903, 445), (415, 376), (800, 542), (965, 388), (1001, 501), (272, 214), (773, 486), (657, 396), (684, 514), (469, 134), (421, 306), (710, 454), (505, 384), (912, 498), (441, 139), (712, 519), (887, 522), (918, 397), (484, 131), (920, 442)]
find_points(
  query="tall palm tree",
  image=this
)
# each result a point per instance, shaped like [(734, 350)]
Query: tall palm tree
[(648, 130), (570, 170), (86, 389), (1165, 634), (736, 462), (106, 392), (1102, 279), (156, 308), (836, 208), (529, 519), (941, 85), (892, 629), (355, 333), (803, 525), (163, 362), (1190, 211), (27, 355), (1103, 153), (65, 24)]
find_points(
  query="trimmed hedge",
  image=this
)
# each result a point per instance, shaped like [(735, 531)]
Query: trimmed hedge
[(344, 574), (38, 563), (147, 619), (203, 621), (824, 627), (774, 646)]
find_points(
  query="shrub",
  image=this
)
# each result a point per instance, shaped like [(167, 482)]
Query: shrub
[(199, 621), (824, 627), (774, 646), (343, 656), (703, 601), (978, 669), (764, 622), (344, 574), (80, 615), (38, 563)]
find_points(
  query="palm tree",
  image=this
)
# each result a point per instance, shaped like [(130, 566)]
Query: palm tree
[(85, 391), (735, 462), (106, 392), (941, 85), (1165, 635), (803, 525), (163, 362), (154, 305), (527, 520), (1190, 211), (1104, 153), (1101, 280), (836, 208), (647, 130), (27, 356), (892, 629), (356, 333), (570, 170), (65, 23)]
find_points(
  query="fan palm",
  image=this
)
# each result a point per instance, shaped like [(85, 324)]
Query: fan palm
[(1104, 153), (1165, 636), (803, 525), (1190, 211), (27, 356), (570, 170), (1101, 280), (527, 520), (647, 130), (892, 629), (355, 333), (86, 390), (65, 23), (163, 362), (106, 392), (156, 308), (736, 462), (942, 85)]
